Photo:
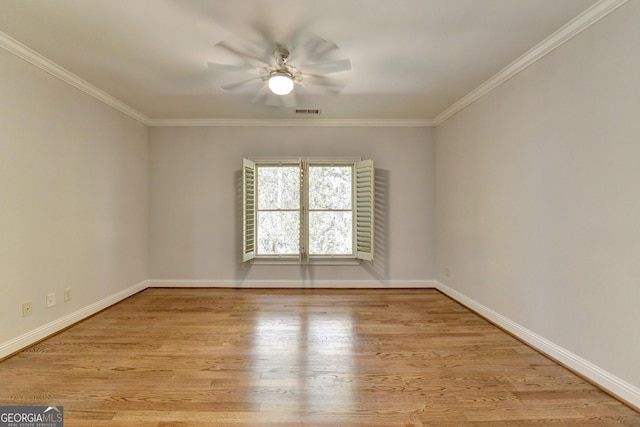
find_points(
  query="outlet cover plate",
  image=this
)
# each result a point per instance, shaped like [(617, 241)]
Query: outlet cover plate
[(27, 308)]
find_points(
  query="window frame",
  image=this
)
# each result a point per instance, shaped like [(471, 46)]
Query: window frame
[(299, 210), (362, 214), (308, 210)]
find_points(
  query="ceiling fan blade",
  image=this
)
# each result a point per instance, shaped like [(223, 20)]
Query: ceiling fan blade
[(326, 84), (272, 100), (310, 47), (266, 97), (327, 67), (250, 57), (245, 68), (288, 101), (237, 85), (261, 96), (268, 42)]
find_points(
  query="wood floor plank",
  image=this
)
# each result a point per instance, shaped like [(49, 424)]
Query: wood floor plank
[(187, 357)]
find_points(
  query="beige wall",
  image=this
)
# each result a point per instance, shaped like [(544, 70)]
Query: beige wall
[(529, 197), (195, 226), (538, 197), (73, 196)]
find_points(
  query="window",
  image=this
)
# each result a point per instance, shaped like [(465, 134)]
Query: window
[(308, 209)]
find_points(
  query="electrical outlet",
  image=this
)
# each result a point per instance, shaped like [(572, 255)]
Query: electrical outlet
[(67, 294), (27, 308), (51, 299), (447, 272)]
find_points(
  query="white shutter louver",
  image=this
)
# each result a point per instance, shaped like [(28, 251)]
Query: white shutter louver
[(248, 210), (364, 205)]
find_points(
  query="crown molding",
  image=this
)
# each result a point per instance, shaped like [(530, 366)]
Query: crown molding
[(63, 74), (583, 21), (15, 47), (292, 122), (580, 23)]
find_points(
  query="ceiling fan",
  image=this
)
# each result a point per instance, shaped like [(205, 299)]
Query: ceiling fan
[(275, 77)]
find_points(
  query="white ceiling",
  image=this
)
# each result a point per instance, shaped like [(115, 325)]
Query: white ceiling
[(411, 59)]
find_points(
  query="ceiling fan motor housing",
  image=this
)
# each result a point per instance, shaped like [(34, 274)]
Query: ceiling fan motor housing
[(281, 55)]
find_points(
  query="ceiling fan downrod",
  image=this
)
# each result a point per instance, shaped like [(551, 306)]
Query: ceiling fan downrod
[(281, 55)]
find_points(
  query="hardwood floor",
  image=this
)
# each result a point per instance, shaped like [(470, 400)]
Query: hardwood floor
[(193, 357)]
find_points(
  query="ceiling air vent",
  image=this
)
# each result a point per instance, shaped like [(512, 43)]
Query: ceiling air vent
[(307, 111)]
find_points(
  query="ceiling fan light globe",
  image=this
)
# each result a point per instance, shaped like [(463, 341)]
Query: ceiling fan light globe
[(280, 83)]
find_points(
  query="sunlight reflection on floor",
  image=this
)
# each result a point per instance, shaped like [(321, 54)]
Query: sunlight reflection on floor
[(303, 363)]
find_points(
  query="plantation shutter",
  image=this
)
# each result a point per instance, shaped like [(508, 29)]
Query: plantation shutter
[(364, 205), (248, 210)]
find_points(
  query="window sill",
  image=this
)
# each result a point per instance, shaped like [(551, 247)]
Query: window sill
[(295, 261)]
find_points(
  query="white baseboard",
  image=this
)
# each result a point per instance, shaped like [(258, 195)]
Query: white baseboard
[(35, 335), (616, 386), (25, 340), (304, 284), (609, 382)]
